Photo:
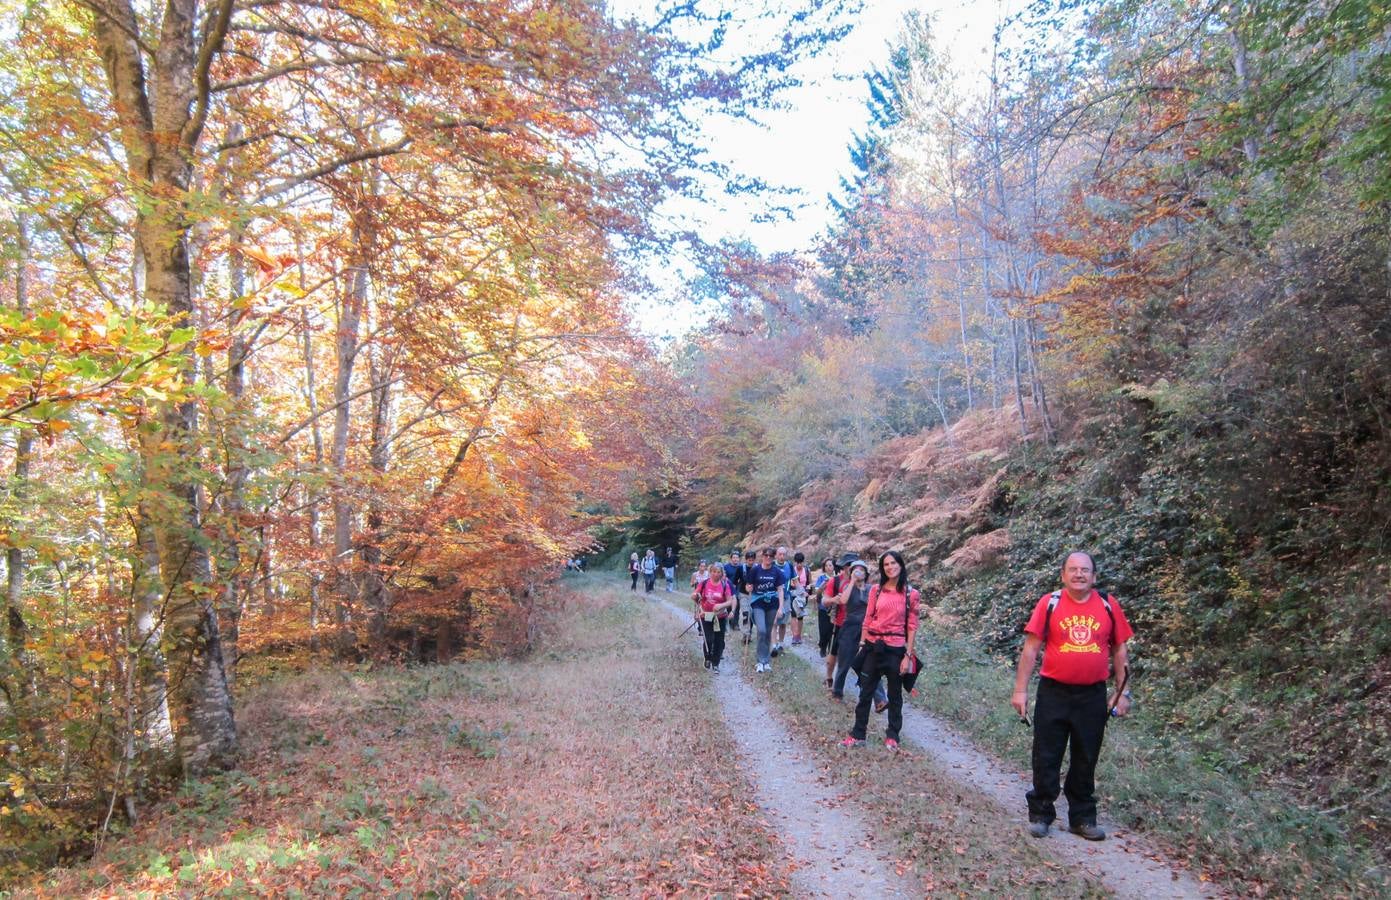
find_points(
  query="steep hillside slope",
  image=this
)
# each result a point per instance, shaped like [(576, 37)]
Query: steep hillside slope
[(1266, 659)]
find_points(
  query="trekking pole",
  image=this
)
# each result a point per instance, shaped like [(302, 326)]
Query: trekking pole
[(1120, 691), (688, 628)]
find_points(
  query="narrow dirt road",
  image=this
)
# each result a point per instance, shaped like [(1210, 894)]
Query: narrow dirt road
[(1125, 862), (805, 813)]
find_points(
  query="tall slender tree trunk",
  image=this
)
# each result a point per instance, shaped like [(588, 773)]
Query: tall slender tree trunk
[(354, 301), (232, 568), (959, 282), (160, 117), (312, 497), (375, 593), (16, 631)]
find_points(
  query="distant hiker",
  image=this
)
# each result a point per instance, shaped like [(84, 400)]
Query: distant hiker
[(669, 569), (825, 628), (634, 568), (702, 571), (1082, 635), (714, 598), (734, 571), (853, 602), (766, 601), (836, 611), (784, 565), (649, 570), (798, 589), (891, 624)]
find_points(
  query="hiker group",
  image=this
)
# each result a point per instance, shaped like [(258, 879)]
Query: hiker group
[(867, 619)]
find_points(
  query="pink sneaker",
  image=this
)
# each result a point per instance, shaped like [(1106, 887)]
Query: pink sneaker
[(852, 742), (890, 744)]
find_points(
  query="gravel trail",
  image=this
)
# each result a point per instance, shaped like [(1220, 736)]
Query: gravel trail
[(842, 861)]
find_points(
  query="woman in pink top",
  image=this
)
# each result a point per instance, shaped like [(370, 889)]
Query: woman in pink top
[(714, 598), (891, 625)]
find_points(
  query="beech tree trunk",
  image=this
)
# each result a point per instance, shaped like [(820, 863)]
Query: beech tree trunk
[(375, 591), (312, 498), (16, 633), (349, 319), (160, 116)]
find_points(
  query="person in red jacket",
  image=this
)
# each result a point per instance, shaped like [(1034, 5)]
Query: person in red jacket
[(1083, 637)]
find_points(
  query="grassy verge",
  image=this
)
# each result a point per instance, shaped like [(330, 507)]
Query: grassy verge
[(953, 842), (579, 771), (1196, 800)]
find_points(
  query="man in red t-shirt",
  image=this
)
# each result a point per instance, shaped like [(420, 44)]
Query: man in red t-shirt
[(1084, 643)]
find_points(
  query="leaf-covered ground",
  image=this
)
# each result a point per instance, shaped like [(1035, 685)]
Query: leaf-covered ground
[(588, 769)]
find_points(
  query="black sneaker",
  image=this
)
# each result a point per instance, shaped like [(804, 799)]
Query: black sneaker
[(1088, 830)]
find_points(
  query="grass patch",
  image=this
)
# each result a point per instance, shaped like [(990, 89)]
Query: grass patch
[(576, 771), (1194, 798), (952, 841)]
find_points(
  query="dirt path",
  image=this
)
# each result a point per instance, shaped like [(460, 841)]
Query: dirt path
[(842, 862), (1126, 863)]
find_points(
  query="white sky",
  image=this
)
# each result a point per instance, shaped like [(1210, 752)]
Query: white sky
[(805, 146)]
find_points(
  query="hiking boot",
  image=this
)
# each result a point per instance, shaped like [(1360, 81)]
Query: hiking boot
[(891, 744), (1038, 829), (707, 664), (852, 742), (1088, 830), (715, 669)]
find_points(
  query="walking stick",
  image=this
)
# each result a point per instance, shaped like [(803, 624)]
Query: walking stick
[(688, 628), (1125, 677)]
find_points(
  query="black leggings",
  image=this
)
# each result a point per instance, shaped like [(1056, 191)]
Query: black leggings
[(635, 580), (714, 640), (824, 630)]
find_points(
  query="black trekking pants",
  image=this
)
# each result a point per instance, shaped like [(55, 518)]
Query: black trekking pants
[(635, 580), (1067, 715), (824, 630), (714, 640), (882, 660)]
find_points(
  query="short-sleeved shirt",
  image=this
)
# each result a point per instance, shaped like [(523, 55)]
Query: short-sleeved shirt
[(886, 618), (1077, 649), (713, 592), (765, 581)]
